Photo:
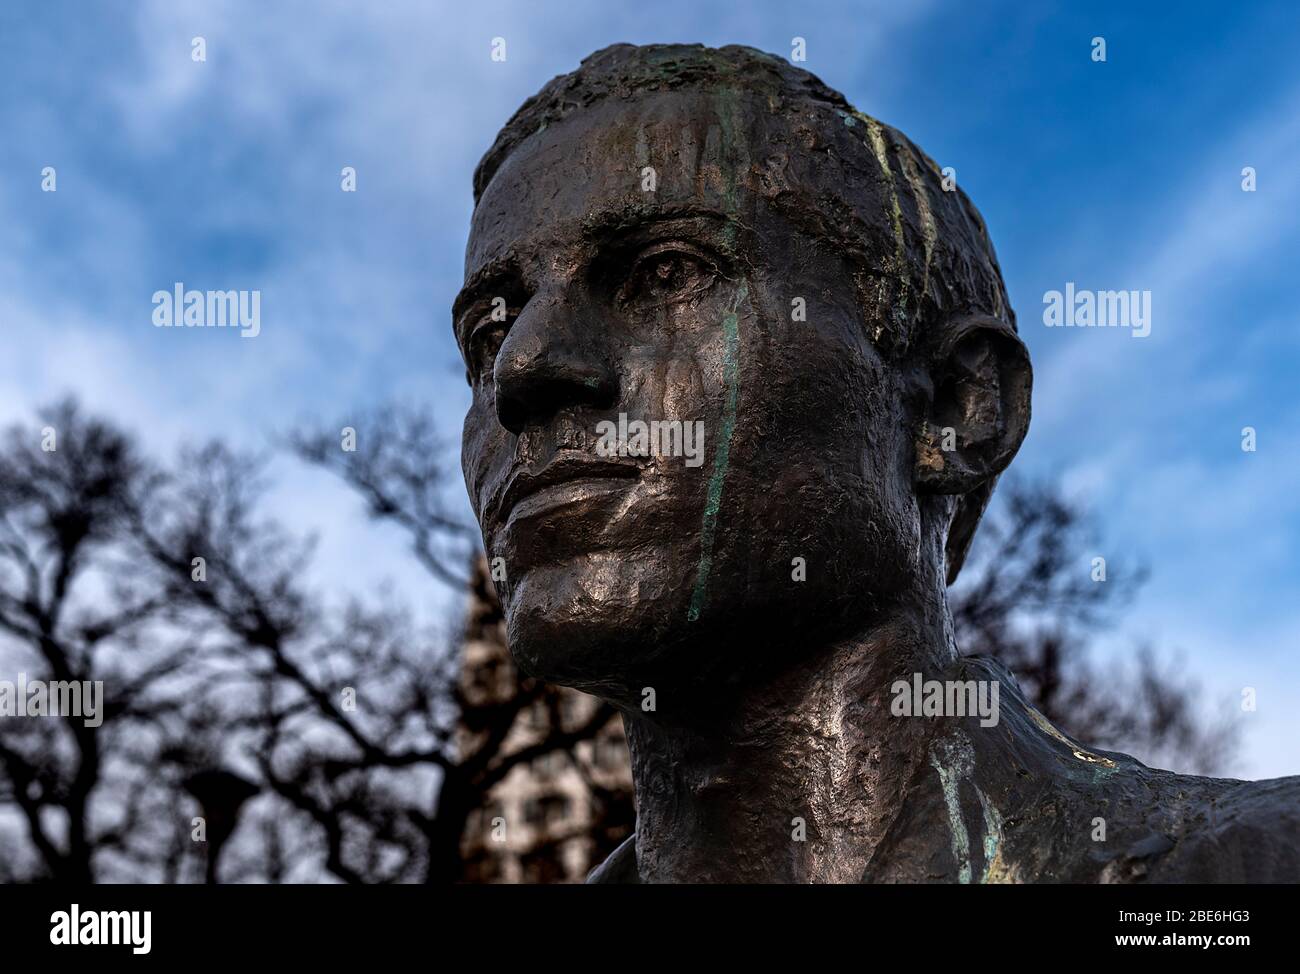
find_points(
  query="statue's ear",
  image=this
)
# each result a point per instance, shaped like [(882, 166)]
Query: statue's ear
[(979, 407)]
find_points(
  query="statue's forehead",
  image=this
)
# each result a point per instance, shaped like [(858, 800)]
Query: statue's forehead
[(669, 150)]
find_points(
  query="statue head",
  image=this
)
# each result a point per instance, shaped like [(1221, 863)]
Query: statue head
[(744, 370)]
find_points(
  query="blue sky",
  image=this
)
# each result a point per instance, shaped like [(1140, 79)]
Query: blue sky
[(1117, 175)]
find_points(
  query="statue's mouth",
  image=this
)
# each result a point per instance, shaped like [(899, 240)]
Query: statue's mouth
[(567, 479)]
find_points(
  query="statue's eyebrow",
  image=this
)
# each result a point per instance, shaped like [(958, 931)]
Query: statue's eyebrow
[(610, 224)]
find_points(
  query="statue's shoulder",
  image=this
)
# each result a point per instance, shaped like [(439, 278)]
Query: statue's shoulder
[(1235, 832), (620, 867), (1080, 814)]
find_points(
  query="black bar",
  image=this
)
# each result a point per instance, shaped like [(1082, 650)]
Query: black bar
[(576, 924)]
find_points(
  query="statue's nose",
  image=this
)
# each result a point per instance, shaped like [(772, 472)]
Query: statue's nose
[(555, 356)]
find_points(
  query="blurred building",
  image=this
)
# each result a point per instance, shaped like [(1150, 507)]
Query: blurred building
[(553, 819)]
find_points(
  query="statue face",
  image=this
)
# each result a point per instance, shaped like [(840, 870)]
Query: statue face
[(675, 301)]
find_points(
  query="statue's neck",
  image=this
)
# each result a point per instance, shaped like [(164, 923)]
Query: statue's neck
[(795, 779)]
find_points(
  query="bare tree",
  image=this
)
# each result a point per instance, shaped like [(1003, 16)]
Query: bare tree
[(73, 609)]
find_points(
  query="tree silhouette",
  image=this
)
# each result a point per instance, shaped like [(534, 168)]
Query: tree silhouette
[(73, 607)]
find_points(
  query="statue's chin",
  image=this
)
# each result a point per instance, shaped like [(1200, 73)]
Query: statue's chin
[(587, 623)]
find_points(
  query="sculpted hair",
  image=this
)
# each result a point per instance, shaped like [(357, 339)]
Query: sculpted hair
[(921, 252)]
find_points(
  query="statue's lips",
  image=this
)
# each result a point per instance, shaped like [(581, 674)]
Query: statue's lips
[(565, 481)]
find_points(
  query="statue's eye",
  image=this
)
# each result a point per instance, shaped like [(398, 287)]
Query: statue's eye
[(667, 274), (485, 341)]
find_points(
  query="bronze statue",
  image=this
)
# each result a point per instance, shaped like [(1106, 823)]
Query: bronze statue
[(675, 235)]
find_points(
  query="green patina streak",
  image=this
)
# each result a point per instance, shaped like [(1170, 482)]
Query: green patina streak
[(955, 762), (727, 106), (950, 779), (722, 455), (992, 837), (922, 198), (900, 241)]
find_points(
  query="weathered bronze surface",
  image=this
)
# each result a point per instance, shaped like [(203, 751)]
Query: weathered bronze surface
[(675, 233)]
